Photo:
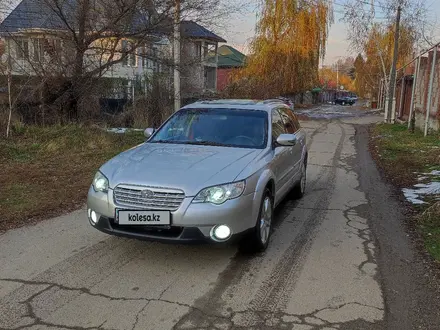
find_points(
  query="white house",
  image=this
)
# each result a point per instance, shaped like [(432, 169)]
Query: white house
[(39, 43)]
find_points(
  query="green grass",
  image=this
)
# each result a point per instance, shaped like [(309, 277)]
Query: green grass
[(47, 170), (402, 153), (430, 228)]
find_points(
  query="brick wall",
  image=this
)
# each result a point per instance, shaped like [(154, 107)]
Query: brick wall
[(223, 77), (421, 100), (403, 105), (422, 91)]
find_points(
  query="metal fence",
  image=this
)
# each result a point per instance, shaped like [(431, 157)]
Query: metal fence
[(418, 91)]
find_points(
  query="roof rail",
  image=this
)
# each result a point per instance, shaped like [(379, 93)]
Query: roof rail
[(272, 101), (227, 101)]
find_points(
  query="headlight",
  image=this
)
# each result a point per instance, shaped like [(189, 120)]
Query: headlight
[(220, 194), (100, 182)]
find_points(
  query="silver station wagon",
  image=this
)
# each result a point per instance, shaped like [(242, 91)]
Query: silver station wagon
[(214, 171)]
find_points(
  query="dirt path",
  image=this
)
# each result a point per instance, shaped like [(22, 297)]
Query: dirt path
[(338, 259)]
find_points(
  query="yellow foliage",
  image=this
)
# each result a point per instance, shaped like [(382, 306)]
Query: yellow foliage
[(329, 79), (291, 38), (378, 52)]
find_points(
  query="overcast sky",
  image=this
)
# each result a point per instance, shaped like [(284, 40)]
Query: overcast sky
[(241, 29)]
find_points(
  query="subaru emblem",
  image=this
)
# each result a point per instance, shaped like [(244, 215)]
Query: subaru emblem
[(147, 193)]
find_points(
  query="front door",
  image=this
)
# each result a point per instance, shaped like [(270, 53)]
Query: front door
[(282, 166), (292, 127)]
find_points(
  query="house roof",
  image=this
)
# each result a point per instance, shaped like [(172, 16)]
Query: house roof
[(190, 29), (32, 14), (36, 14), (230, 57)]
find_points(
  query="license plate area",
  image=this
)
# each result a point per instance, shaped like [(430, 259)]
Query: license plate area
[(143, 217)]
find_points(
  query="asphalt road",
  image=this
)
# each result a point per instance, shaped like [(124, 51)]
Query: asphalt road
[(338, 259)]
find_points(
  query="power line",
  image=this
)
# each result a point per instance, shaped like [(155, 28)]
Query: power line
[(343, 13), (363, 2), (347, 5)]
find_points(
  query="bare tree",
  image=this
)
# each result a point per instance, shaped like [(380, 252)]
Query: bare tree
[(83, 40), (371, 21)]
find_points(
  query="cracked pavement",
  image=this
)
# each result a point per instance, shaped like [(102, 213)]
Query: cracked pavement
[(321, 271)]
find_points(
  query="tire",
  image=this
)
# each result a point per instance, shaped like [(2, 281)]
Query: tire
[(300, 188), (258, 239)]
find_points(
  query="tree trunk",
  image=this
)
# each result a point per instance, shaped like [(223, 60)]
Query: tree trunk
[(76, 92), (391, 91), (8, 128)]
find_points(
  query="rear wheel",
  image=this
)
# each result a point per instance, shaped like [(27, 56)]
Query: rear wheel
[(258, 238)]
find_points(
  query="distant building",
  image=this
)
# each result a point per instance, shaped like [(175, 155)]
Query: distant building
[(198, 66), (422, 102), (36, 42), (229, 60)]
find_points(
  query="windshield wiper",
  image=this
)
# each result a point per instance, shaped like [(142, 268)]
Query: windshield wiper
[(165, 141), (209, 143), (200, 143)]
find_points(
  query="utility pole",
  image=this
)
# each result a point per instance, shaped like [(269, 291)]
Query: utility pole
[(411, 119), (391, 106), (379, 95), (431, 84), (8, 128), (337, 75), (176, 49)]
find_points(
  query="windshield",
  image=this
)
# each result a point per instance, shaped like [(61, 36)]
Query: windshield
[(218, 127)]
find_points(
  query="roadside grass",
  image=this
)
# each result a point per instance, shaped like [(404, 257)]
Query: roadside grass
[(402, 155), (430, 227), (46, 171)]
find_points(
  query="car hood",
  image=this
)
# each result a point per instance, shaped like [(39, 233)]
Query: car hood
[(187, 167)]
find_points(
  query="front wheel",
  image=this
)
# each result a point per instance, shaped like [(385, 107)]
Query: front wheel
[(300, 188), (258, 238)]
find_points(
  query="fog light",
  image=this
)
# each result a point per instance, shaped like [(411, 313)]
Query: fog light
[(221, 232), (93, 216)]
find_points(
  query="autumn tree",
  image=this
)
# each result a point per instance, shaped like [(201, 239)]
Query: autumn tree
[(360, 76), (329, 78), (375, 59), (345, 65), (290, 40), (371, 33)]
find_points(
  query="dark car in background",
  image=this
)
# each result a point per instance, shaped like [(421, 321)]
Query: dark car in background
[(345, 100)]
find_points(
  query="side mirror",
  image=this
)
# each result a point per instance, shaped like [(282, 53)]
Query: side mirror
[(286, 140), (148, 132)]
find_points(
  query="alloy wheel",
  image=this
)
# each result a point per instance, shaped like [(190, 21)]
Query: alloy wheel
[(266, 219)]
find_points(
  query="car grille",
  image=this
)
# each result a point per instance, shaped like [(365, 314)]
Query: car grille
[(149, 197)]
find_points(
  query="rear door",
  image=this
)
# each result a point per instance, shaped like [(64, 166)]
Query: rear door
[(281, 165)]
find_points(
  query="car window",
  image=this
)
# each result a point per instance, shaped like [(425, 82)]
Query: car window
[(288, 121), (277, 125), (294, 119)]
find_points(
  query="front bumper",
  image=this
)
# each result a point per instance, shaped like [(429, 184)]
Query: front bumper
[(189, 223)]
